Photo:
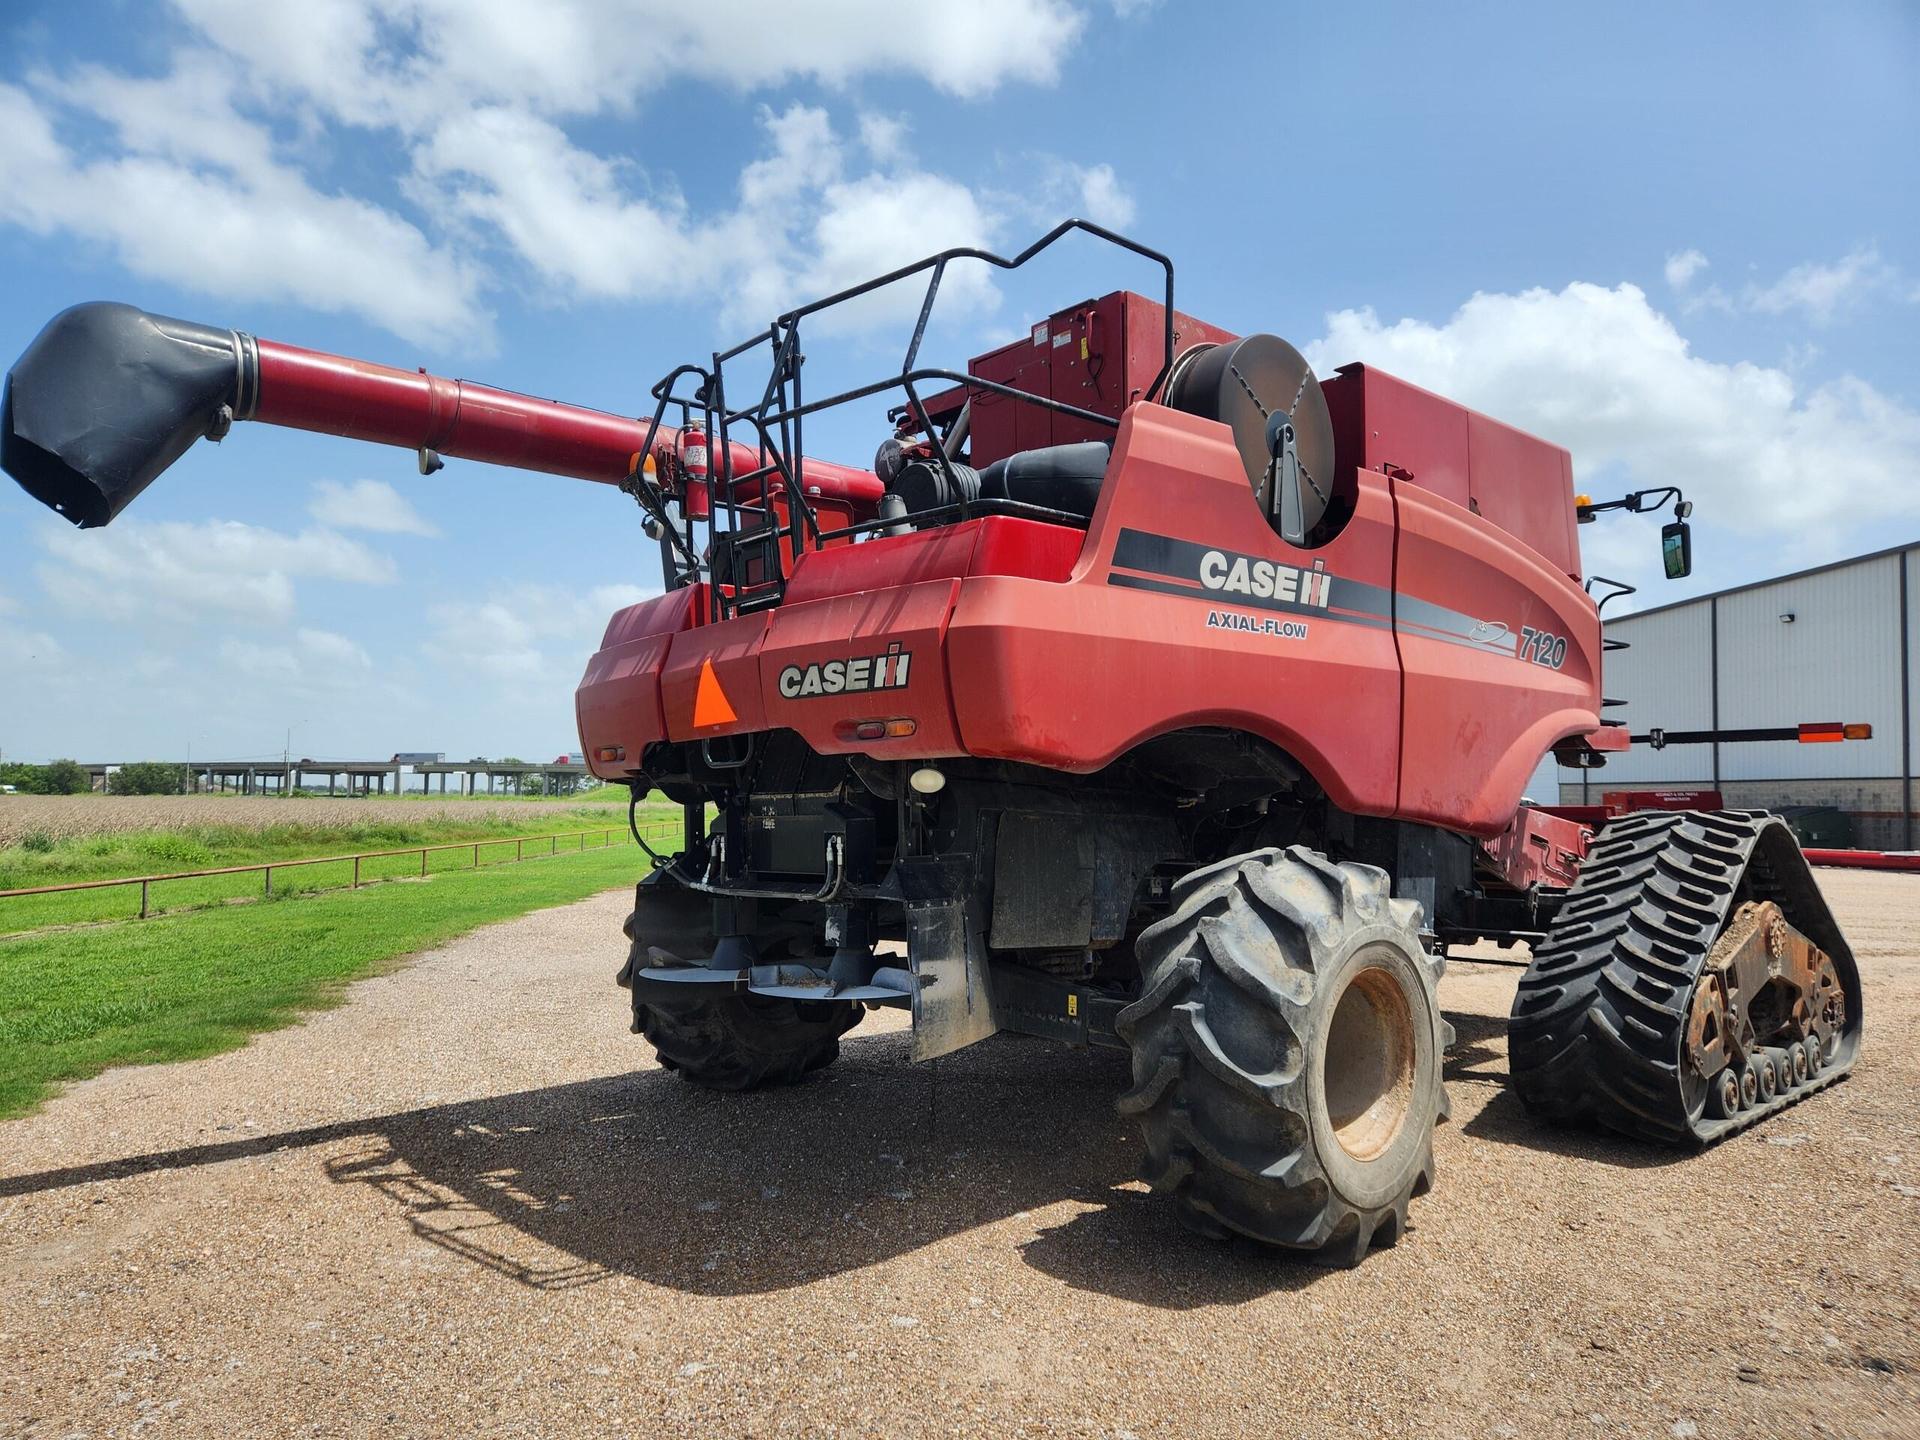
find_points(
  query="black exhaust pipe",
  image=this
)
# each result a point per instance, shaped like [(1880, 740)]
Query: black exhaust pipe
[(107, 397)]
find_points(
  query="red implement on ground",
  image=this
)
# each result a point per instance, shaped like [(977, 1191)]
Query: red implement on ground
[(1149, 691)]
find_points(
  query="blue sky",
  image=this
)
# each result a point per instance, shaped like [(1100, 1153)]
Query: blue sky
[(1678, 239)]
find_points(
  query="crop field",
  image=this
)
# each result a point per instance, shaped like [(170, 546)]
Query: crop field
[(63, 817)]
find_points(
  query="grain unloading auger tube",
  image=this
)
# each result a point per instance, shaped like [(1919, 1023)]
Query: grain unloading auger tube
[(108, 396)]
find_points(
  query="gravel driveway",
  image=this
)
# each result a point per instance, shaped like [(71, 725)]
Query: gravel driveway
[(466, 1202)]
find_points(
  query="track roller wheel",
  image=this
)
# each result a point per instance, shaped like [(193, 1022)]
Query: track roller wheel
[(1727, 1098), (1286, 1054)]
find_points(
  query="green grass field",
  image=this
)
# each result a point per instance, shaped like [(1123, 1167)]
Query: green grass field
[(75, 1001), (115, 854)]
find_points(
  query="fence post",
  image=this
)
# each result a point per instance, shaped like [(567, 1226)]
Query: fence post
[(553, 842), (519, 849), (476, 855), (423, 862), (269, 870), (356, 872), (143, 899)]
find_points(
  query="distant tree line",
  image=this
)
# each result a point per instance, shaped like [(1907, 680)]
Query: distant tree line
[(60, 777), (148, 777), (65, 777)]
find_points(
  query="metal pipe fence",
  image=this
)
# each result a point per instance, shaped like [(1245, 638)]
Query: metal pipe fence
[(266, 868)]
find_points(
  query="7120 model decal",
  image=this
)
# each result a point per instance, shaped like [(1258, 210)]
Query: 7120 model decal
[(1542, 648)]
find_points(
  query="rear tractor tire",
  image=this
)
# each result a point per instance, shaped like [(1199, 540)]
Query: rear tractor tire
[(729, 1042), (742, 1042), (1286, 1054)]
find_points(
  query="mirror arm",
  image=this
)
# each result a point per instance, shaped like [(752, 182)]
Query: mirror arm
[(1636, 502)]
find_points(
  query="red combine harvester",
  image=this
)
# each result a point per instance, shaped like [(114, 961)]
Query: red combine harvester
[(1149, 692)]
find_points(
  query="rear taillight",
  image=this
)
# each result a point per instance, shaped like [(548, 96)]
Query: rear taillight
[(1829, 732), (875, 729)]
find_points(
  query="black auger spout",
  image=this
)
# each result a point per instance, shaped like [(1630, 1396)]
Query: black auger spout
[(107, 397)]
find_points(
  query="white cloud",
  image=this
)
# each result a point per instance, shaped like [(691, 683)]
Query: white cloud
[(877, 223), (563, 210), (885, 137), (21, 647), (533, 636), (371, 505), (1103, 199), (8, 605), (1604, 373), (214, 156), (177, 204), (182, 571), (1682, 268), (803, 226), (316, 662), (1042, 189), (1820, 290), (331, 649), (410, 61), (1816, 291)]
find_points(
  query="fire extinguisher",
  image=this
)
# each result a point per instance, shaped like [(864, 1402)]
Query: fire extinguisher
[(691, 459), (692, 448)]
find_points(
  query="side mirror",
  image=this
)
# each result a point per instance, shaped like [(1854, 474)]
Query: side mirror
[(1676, 549)]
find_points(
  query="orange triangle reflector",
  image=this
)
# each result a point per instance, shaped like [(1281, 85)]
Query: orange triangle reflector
[(710, 705)]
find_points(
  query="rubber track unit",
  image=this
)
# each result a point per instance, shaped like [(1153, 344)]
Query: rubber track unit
[(1219, 1039), (742, 1042), (1599, 1021)]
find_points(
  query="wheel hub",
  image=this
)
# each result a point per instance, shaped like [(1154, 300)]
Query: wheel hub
[(1369, 1064)]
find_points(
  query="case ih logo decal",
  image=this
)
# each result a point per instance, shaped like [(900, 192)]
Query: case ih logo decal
[(1143, 560), (847, 677), (1181, 567), (1264, 579)]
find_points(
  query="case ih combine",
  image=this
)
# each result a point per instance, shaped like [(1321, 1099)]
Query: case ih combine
[(1148, 692)]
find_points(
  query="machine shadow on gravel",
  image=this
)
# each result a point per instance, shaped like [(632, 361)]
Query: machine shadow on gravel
[(645, 1176), (1478, 1060)]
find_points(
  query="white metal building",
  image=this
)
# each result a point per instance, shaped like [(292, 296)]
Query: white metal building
[(1832, 643)]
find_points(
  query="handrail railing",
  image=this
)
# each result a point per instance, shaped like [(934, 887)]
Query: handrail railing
[(777, 419)]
